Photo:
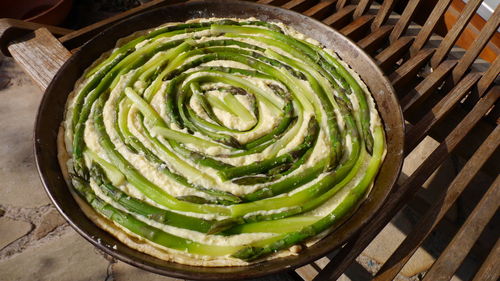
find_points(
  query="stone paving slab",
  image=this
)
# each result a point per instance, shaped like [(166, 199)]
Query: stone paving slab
[(50, 220), (19, 99), (11, 230), (68, 257)]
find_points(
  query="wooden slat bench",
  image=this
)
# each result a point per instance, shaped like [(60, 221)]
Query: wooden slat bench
[(443, 95)]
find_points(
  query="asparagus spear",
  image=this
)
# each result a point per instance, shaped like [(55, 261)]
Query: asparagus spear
[(348, 204), (180, 65)]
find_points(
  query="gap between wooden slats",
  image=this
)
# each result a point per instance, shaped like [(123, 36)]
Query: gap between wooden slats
[(449, 261), (390, 55), (406, 72), (429, 85), (439, 111), (430, 24), (397, 199), (438, 209), (404, 20), (477, 46), (341, 17), (489, 270), (453, 34)]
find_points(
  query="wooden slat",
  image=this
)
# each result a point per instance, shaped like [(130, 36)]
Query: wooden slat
[(420, 130), (11, 29), (41, 55), (341, 4), (404, 20), (454, 254), (489, 76), (389, 56), (484, 83), (398, 198), (373, 41), (416, 96), (431, 22), (322, 9), (362, 7), (406, 72), (299, 5), (383, 13), (466, 61), (453, 34), (357, 28), (489, 270), (273, 2), (435, 213), (341, 17)]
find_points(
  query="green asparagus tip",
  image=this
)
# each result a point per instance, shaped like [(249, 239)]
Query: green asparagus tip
[(194, 199), (248, 253), (222, 225)]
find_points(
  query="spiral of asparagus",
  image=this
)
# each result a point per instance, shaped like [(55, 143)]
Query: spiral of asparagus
[(241, 130)]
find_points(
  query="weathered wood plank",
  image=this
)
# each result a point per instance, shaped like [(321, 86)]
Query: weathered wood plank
[(341, 4), (383, 13), (438, 209), (41, 55), (390, 55), (416, 96), (453, 34), (431, 22), (322, 9), (456, 251), (466, 61), (406, 72), (489, 77), (299, 5), (357, 28), (362, 7), (373, 41), (415, 134), (272, 2), (341, 17), (11, 29), (404, 20)]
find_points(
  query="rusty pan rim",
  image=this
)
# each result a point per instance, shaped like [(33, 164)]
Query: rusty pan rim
[(52, 105)]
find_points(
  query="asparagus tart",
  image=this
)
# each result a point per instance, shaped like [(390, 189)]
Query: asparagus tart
[(220, 142)]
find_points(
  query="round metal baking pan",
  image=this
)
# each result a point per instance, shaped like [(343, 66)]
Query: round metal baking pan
[(51, 112)]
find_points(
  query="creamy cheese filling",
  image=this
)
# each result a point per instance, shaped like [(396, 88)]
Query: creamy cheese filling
[(159, 140)]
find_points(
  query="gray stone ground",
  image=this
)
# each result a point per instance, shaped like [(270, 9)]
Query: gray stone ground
[(37, 244)]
